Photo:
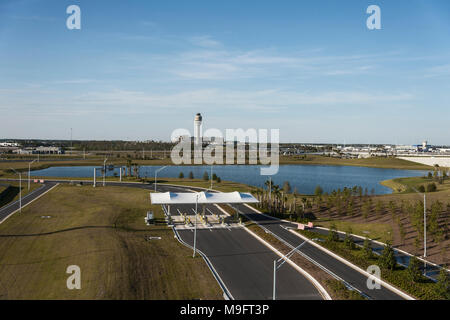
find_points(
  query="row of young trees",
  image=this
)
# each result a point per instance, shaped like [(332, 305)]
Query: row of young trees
[(277, 200), (350, 202), (439, 174), (387, 261), (205, 176)]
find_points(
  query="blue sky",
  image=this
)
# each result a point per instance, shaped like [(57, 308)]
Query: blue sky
[(140, 69)]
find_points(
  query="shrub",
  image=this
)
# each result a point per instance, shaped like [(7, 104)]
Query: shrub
[(348, 240), (214, 177), (191, 175), (431, 187), (218, 180), (181, 175), (387, 258), (205, 176), (414, 269), (421, 188), (287, 187), (442, 288), (318, 191), (332, 234)]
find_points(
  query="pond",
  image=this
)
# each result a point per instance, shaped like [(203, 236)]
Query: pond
[(303, 177)]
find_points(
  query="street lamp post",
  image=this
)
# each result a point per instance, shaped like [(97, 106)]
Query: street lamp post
[(104, 170), (424, 222), (29, 169), (20, 188), (195, 226), (211, 177), (275, 267), (156, 174)]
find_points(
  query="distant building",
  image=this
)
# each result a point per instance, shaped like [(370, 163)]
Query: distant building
[(40, 150), (9, 144)]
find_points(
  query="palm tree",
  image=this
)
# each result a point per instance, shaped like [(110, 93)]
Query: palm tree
[(295, 200), (269, 186), (304, 202), (277, 194)]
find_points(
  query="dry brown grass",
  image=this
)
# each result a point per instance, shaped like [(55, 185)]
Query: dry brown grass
[(102, 231)]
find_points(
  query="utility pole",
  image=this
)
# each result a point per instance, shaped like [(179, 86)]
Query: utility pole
[(211, 178), (424, 226), (195, 228), (29, 169), (20, 188), (275, 267), (156, 174), (104, 171)]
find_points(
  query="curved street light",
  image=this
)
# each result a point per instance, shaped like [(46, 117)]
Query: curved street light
[(195, 228), (156, 173), (29, 169)]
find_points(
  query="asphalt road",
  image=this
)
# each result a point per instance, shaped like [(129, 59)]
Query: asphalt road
[(432, 271), (5, 211), (353, 277), (244, 264)]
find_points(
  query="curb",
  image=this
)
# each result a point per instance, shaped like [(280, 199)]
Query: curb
[(385, 284), (226, 293), (365, 273), (383, 244), (316, 284)]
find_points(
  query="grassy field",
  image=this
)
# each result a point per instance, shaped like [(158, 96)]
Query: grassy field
[(13, 193), (406, 185), (102, 231), (374, 162), (378, 231), (423, 288)]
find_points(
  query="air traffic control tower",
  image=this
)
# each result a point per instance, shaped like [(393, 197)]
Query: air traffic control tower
[(198, 128)]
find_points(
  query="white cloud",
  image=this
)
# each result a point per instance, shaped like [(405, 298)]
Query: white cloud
[(205, 41), (119, 102), (438, 71)]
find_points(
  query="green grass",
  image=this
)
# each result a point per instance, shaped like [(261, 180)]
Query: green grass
[(375, 162), (423, 289), (375, 231), (406, 185), (102, 231)]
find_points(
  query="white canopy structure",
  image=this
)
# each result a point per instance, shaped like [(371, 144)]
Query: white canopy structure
[(169, 198)]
